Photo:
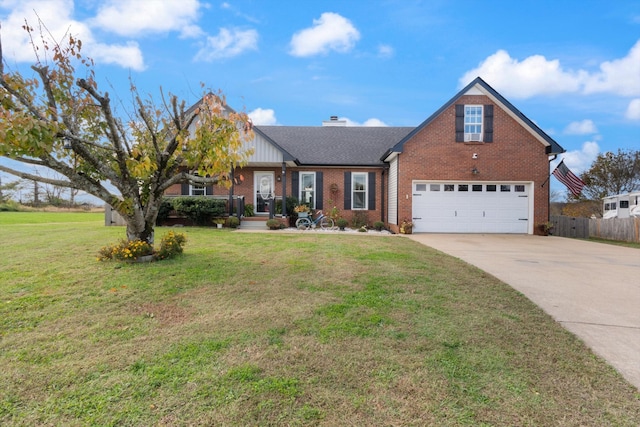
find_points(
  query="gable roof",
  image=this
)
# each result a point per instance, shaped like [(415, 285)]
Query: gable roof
[(552, 146), (334, 145)]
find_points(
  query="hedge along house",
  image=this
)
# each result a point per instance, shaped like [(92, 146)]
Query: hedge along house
[(477, 165)]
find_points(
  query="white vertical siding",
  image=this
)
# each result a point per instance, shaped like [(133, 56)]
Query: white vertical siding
[(264, 152), (392, 216)]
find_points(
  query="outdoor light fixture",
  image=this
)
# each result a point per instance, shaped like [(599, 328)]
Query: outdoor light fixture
[(67, 144), (475, 171)]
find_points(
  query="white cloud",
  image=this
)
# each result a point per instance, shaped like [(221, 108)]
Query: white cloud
[(385, 51), (330, 32), (620, 76), (127, 55), (534, 75), (228, 43), (56, 15), (135, 17), (583, 127), (373, 122), (261, 116), (633, 110), (537, 75), (580, 160)]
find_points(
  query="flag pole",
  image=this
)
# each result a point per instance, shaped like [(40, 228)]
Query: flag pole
[(550, 173)]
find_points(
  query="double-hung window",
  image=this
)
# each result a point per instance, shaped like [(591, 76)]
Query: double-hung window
[(473, 123), (197, 189), (359, 190), (307, 194)]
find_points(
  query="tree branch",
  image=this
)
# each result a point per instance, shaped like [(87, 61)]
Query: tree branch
[(39, 178)]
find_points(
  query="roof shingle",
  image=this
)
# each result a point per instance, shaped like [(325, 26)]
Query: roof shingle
[(336, 145)]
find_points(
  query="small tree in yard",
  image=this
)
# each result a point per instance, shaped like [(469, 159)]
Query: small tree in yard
[(64, 123)]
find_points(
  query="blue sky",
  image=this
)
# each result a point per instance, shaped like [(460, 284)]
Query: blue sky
[(573, 67)]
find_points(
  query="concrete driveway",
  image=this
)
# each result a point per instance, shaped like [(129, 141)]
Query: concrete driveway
[(592, 289)]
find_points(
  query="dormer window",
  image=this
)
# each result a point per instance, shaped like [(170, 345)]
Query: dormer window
[(473, 123)]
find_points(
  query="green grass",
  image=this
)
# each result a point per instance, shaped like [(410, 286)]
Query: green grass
[(615, 242), (279, 329)]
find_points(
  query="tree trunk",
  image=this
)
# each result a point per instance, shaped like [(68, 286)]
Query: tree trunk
[(141, 225)]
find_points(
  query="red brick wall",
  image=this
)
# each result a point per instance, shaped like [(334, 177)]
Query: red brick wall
[(330, 176), (514, 155)]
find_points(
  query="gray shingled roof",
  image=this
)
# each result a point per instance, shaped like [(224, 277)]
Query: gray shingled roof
[(336, 145)]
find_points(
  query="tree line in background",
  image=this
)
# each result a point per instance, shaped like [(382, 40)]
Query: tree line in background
[(14, 193)]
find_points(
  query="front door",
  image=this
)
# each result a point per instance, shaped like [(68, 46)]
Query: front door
[(264, 191)]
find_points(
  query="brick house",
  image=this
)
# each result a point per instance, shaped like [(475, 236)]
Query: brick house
[(477, 165)]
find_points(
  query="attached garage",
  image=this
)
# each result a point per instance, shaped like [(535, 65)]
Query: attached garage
[(472, 207)]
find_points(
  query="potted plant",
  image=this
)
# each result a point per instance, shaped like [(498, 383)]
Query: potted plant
[(342, 223), (406, 227), (378, 225), (544, 229), (218, 222), (302, 211)]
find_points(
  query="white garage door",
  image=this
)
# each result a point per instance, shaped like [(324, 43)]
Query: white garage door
[(471, 207)]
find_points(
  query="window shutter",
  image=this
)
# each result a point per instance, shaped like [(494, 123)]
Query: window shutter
[(488, 123), (208, 190), (347, 191), (459, 123), (184, 189), (295, 184), (372, 191), (319, 182)]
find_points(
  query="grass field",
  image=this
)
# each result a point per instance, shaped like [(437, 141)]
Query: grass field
[(279, 329)]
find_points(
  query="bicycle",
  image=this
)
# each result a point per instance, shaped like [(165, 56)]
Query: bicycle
[(324, 221)]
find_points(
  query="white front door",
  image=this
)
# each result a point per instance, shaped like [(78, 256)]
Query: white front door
[(264, 191)]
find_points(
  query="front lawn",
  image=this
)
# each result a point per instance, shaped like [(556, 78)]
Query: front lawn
[(280, 329)]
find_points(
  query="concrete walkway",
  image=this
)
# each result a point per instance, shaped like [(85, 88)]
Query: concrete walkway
[(592, 289)]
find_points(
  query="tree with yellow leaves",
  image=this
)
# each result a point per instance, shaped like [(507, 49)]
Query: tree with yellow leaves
[(58, 121)]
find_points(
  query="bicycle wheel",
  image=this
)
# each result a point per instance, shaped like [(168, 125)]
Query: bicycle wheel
[(303, 224), (326, 223)]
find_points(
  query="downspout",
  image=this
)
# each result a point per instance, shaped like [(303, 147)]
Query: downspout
[(382, 204)]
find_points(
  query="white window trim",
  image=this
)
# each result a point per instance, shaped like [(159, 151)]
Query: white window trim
[(301, 190), (197, 187), (474, 137), (366, 190)]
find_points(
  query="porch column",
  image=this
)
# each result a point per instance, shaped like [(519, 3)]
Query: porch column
[(284, 189), (231, 190)]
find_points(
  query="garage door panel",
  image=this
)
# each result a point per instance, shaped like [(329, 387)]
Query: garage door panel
[(470, 208)]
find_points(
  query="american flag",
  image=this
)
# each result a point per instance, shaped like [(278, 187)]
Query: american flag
[(568, 178)]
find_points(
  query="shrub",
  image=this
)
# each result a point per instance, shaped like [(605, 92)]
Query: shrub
[(233, 222), (163, 212), (200, 210), (171, 245), (359, 219), (9, 206), (249, 210), (378, 225), (126, 250), (342, 223), (274, 224)]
